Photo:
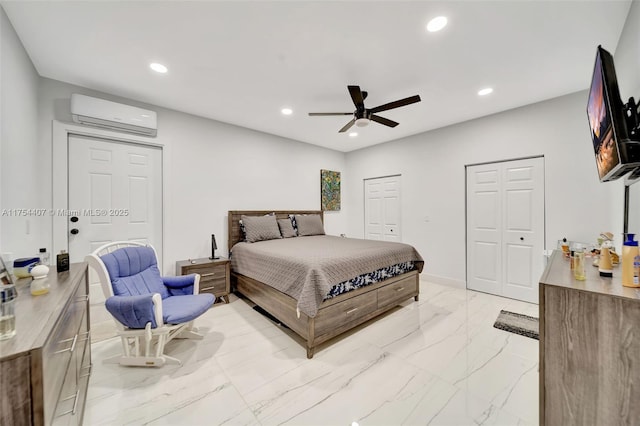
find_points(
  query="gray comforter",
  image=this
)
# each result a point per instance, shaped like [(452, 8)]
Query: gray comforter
[(306, 268)]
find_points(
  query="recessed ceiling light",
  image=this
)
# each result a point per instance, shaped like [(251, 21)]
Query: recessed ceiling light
[(436, 24), (353, 134), (158, 67), (286, 111), (485, 91)]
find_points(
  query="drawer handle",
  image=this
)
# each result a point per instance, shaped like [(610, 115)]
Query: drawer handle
[(400, 289), (70, 349), (350, 311), (208, 288), (75, 404), (82, 298), (88, 373), (88, 336), (208, 275)]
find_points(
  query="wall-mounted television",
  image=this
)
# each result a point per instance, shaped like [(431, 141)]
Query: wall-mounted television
[(616, 155)]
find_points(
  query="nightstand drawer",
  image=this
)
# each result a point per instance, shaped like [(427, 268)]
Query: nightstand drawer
[(209, 273), (214, 274), (218, 287)]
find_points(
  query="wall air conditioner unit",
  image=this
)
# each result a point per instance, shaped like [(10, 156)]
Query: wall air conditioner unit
[(112, 115)]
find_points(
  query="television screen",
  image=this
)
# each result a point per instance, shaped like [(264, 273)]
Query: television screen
[(604, 144), (614, 155)]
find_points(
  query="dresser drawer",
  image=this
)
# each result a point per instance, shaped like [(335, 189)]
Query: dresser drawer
[(397, 292), (345, 312), (65, 341)]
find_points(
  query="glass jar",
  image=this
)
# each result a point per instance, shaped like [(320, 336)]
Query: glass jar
[(579, 269), (8, 296)]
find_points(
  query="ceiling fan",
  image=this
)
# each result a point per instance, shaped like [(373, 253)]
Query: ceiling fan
[(362, 116)]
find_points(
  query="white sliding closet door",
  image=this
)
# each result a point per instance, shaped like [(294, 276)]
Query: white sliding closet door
[(505, 228)]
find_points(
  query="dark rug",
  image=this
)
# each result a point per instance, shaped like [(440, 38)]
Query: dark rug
[(523, 325), (268, 315)]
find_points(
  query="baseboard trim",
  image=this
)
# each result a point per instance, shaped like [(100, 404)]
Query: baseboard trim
[(444, 281)]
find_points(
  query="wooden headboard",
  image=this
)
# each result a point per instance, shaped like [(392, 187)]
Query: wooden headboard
[(235, 234)]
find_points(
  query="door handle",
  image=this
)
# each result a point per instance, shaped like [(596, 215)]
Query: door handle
[(75, 231), (74, 219)]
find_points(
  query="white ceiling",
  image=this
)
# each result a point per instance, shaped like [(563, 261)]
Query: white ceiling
[(240, 62)]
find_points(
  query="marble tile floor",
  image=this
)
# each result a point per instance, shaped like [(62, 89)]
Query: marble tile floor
[(435, 362)]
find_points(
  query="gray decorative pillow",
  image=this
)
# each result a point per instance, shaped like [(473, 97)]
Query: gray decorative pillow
[(309, 224), (286, 228), (260, 228)]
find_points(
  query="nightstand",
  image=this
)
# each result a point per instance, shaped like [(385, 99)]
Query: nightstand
[(214, 274)]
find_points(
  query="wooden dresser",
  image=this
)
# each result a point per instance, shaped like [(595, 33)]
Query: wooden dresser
[(45, 367), (589, 348), (215, 274)]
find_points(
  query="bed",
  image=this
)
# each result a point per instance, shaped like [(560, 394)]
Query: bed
[(308, 314)]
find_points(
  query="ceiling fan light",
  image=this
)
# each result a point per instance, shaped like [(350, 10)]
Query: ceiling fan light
[(362, 122)]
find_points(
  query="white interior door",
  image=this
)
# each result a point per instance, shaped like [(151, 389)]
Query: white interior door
[(484, 225), (505, 228), (382, 208), (115, 194)]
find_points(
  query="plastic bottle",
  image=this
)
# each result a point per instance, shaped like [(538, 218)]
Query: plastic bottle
[(579, 271), (605, 265), (629, 254), (44, 256), (565, 247), (40, 285)]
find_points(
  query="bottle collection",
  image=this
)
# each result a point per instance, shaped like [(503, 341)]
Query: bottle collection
[(605, 258), (34, 267), (37, 268)]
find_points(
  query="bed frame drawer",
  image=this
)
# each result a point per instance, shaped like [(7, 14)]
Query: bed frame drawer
[(339, 314), (397, 292)]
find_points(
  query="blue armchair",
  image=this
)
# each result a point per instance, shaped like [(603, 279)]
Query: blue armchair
[(148, 309)]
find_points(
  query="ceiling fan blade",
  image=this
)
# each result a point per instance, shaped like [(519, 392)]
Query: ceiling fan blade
[(347, 126), (329, 113), (356, 96), (396, 104), (383, 120)]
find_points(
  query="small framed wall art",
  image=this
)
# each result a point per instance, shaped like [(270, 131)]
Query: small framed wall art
[(329, 190)]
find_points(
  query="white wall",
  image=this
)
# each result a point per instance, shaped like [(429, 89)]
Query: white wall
[(627, 62), (432, 166), (20, 158), (213, 167)]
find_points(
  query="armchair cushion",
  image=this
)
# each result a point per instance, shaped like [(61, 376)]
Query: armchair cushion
[(180, 285), (179, 309), (134, 271), (132, 311)]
